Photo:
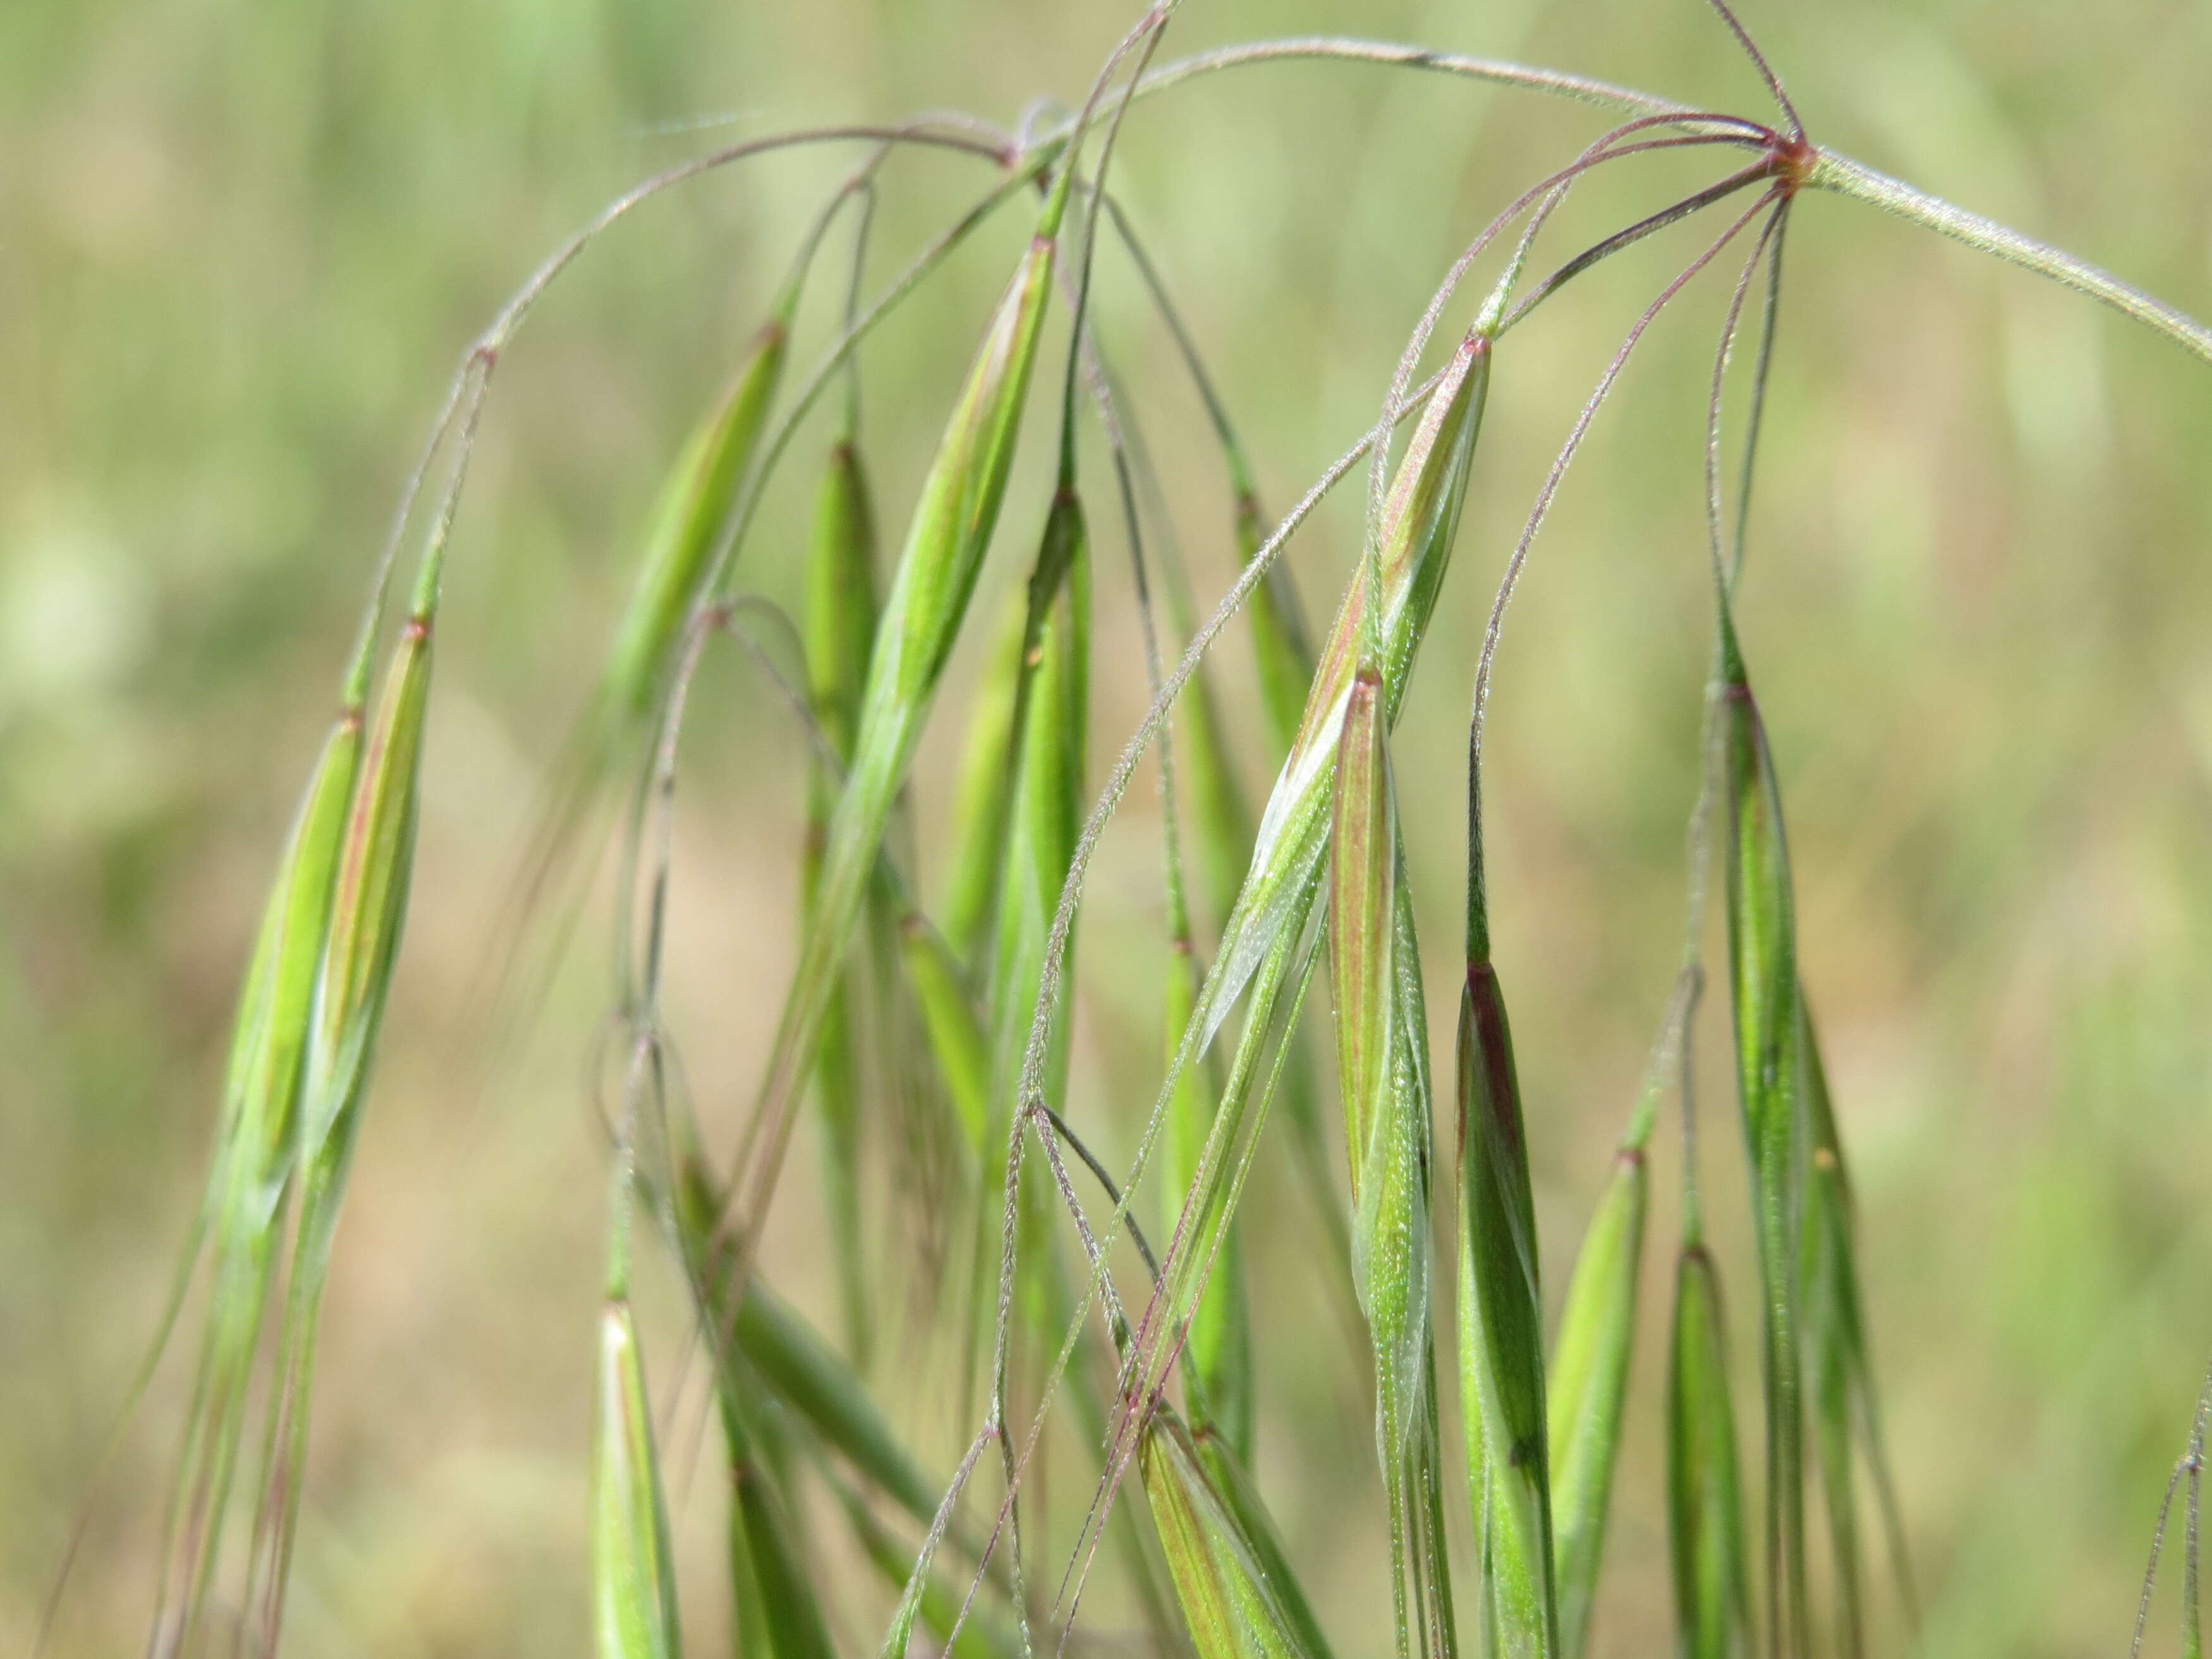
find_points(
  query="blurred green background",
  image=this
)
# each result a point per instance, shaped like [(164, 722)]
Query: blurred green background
[(242, 244)]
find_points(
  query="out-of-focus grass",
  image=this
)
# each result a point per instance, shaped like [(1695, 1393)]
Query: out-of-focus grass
[(242, 246)]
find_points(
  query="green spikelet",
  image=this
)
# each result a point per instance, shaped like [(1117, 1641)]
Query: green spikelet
[(1588, 1389), (1705, 1491)]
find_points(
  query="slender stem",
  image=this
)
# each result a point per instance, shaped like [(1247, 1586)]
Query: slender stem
[(1769, 321), (1079, 306), (1759, 62), (1580, 88), (1690, 992), (1518, 561), (1607, 148), (1104, 1177), (1217, 410), (849, 431), (1845, 177), (1829, 170), (1636, 233), (779, 435)]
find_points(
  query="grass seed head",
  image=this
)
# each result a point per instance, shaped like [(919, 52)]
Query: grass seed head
[(1419, 525), (1052, 705), (368, 913), (1501, 1306), (255, 1165), (921, 617), (368, 908), (840, 596), (841, 621), (1844, 1406), (1232, 1484), (1502, 1329), (1704, 1487), (1362, 865), (1382, 1057), (1588, 1389), (1763, 981), (633, 1578), (1420, 522), (262, 1083), (1231, 1608), (680, 544)]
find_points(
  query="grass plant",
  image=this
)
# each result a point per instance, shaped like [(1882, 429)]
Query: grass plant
[(1101, 1317)]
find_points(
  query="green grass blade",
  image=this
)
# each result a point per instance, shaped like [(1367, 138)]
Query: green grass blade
[(750, 1636), (761, 1532), (823, 1391), (1588, 1389), (1705, 1489), (633, 1581), (1763, 981)]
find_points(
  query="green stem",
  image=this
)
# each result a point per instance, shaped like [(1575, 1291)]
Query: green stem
[(1581, 89), (1845, 177)]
